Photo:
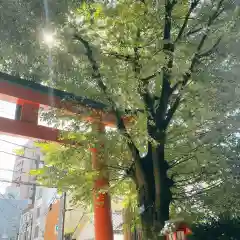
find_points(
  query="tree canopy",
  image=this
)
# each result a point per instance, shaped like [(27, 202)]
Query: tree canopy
[(172, 65), (224, 227)]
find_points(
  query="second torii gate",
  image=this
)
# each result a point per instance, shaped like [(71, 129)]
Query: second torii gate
[(29, 97)]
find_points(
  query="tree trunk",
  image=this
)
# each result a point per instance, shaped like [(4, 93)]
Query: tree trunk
[(155, 197)]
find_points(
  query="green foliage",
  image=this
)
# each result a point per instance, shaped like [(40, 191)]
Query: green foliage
[(19, 151), (200, 141), (223, 228)]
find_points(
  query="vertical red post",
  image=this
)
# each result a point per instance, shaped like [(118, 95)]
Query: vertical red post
[(102, 202), (27, 112)]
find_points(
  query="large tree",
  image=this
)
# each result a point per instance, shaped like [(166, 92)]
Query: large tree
[(171, 66)]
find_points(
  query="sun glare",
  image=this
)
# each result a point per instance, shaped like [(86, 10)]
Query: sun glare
[(48, 39)]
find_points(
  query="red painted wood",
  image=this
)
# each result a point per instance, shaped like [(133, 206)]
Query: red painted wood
[(15, 93), (12, 93), (102, 213), (28, 130), (102, 203), (29, 112)]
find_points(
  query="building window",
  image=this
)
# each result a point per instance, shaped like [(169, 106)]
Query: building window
[(37, 156), (23, 237), (29, 235), (39, 193), (36, 231), (38, 212)]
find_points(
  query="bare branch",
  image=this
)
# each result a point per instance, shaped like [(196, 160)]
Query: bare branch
[(186, 157), (210, 22), (172, 110), (116, 167), (211, 50), (190, 10), (193, 31), (127, 58), (195, 178), (150, 77), (200, 192)]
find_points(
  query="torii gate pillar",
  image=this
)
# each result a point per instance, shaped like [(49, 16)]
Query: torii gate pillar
[(102, 203)]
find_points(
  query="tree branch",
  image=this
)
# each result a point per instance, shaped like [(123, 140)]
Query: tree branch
[(190, 10), (120, 123), (211, 19), (193, 31), (126, 58), (183, 160), (202, 191), (142, 85), (196, 178), (150, 77), (187, 75), (168, 48), (172, 4), (171, 111), (211, 50)]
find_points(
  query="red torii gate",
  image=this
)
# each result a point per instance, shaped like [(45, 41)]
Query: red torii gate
[(29, 96)]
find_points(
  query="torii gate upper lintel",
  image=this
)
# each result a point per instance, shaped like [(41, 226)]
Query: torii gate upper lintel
[(29, 96)]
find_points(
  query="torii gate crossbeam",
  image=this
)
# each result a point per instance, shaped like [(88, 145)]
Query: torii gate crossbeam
[(29, 97)]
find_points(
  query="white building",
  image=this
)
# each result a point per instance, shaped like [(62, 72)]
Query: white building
[(33, 219), (26, 223), (39, 198), (31, 159), (12, 192), (44, 198)]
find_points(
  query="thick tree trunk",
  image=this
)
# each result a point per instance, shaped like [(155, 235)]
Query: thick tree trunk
[(154, 200), (153, 218)]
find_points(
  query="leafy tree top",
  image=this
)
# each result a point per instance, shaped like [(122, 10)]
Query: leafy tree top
[(174, 65)]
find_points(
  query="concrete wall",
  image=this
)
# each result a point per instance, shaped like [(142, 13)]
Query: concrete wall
[(26, 222), (40, 197), (10, 214), (44, 197), (22, 167)]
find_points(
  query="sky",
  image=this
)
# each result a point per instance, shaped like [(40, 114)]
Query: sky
[(7, 110)]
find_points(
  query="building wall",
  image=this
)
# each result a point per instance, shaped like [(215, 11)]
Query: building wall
[(26, 222), (30, 160), (44, 197), (52, 221), (39, 197), (12, 192), (10, 214), (39, 211)]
